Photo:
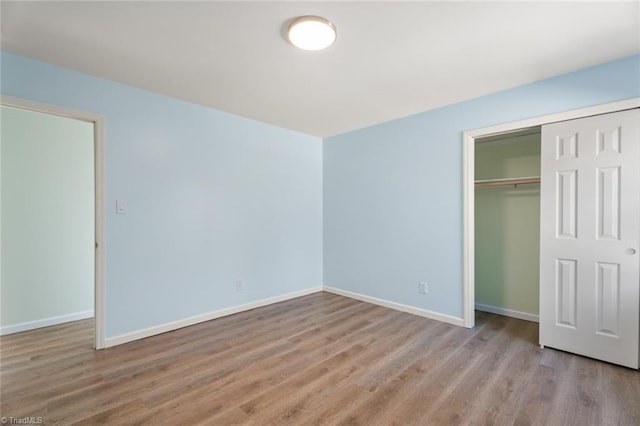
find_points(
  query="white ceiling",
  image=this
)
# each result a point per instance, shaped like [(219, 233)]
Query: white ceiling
[(391, 59)]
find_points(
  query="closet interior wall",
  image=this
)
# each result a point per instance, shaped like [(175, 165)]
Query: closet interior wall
[(507, 225)]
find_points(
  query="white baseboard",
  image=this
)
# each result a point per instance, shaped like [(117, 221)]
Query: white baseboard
[(397, 306), (32, 325), (170, 326), (507, 312), (163, 328)]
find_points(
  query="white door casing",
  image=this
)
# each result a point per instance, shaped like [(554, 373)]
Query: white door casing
[(590, 237)]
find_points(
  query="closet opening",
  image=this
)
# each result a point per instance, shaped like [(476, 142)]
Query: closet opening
[(515, 128), (507, 223)]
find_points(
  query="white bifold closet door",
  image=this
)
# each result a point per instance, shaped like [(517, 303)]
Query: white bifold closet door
[(590, 237)]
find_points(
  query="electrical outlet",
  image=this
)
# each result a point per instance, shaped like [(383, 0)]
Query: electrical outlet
[(422, 288), (239, 285)]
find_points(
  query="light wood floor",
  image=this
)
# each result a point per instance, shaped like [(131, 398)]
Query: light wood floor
[(319, 359)]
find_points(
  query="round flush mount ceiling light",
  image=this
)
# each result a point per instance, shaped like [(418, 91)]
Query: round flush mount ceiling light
[(311, 33)]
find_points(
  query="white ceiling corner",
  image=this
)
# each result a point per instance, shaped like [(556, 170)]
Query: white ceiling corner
[(391, 59)]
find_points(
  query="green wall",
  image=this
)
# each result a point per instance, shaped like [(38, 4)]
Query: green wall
[(47, 222), (507, 225)]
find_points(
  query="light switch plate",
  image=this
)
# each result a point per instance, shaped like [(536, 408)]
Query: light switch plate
[(121, 207)]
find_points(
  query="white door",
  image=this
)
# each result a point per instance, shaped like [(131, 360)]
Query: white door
[(590, 237)]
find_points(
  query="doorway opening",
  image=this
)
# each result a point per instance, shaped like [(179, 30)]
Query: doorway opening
[(507, 223), (469, 221), (52, 195)]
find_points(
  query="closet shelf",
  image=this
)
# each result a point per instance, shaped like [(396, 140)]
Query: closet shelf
[(507, 181)]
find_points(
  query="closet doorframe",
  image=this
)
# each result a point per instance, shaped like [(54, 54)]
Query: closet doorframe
[(468, 182)]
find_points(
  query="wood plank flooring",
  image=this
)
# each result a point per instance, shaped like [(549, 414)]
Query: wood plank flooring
[(319, 359)]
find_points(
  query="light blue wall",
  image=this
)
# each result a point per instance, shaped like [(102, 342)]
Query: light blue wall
[(393, 192), (212, 198)]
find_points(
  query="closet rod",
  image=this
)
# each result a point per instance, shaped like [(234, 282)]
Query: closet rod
[(508, 181)]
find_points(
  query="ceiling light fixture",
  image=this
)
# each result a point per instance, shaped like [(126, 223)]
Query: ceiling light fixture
[(312, 33)]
